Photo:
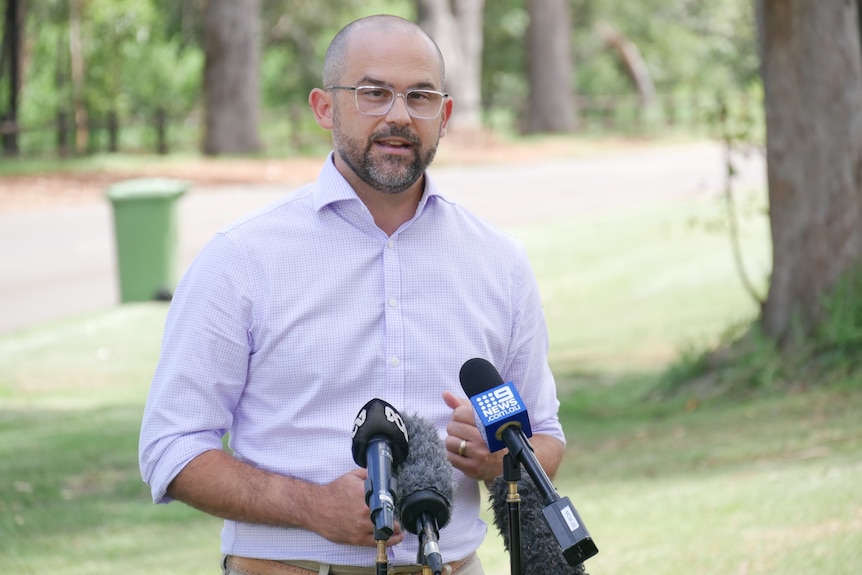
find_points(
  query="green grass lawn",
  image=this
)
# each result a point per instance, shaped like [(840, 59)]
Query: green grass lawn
[(768, 485)]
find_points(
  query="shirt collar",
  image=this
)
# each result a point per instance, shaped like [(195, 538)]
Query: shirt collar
[(332, 187)]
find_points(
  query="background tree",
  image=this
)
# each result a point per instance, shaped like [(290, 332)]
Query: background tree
[(10, 67), (76, 53), (691, 49), (232, 44), (457, 29), (295, 38), (812, 79), (549, 67), (632, 61), (143, 56)]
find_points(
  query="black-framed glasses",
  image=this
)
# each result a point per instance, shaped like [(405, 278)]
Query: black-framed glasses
[(377, 100)]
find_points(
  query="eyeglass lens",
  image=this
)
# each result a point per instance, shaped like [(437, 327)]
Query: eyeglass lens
[(377, 101)]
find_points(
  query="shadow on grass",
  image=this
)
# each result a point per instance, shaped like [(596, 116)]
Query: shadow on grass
[(618, 429), (69, 483), (68, 470)]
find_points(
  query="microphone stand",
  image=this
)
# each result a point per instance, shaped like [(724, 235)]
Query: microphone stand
[(512, 474), (429, 549), (382, 561)]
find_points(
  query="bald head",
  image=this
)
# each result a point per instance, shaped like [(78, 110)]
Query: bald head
[(382, 24)]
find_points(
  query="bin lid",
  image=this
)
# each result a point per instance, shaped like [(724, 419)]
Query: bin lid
[(144, 188)]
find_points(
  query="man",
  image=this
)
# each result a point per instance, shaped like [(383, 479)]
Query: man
[(365, 284)]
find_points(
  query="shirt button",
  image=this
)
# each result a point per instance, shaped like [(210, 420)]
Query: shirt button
[(393, 302), (393, 361), (390, 244)]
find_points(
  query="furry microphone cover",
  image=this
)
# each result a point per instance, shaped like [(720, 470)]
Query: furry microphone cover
[(426, 468), (540, 552)]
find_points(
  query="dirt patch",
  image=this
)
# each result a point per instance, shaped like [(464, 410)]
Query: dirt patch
[(64, 188)]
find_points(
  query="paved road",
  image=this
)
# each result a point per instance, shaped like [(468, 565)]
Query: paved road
[(61, 262)]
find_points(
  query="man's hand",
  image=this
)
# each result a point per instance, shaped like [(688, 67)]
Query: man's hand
[(475, 461), (218, 484), (342, 515)]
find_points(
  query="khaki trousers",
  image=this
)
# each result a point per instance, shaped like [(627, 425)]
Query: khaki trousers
[(471, 566)]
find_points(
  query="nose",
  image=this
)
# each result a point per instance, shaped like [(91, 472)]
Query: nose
[(398, 112)]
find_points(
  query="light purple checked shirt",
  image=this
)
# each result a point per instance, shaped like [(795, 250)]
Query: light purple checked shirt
[(292, 318)]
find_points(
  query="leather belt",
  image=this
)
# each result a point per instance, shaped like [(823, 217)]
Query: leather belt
[(249, 566)]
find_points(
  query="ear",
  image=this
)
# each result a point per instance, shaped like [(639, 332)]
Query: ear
[(321, 105), (448, 106)]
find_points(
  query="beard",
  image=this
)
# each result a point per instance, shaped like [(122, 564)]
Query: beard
[(390, 175)]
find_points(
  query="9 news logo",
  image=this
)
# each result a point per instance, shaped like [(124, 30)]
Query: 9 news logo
[(497, 403)]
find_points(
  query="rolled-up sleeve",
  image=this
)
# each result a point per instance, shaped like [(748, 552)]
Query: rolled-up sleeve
[(202, 368)]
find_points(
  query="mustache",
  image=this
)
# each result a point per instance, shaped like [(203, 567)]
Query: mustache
[(397, 132)]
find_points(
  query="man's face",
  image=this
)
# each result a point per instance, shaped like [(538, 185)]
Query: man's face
[(389, 152)]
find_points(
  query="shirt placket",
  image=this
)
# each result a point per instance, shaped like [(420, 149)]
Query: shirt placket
[(394, 324)]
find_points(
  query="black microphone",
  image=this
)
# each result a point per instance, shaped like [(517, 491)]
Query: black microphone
[(504, 421), (380, 444), (426, 486), (540, 554)]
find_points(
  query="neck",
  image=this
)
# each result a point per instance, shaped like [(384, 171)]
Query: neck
[(391, 211)]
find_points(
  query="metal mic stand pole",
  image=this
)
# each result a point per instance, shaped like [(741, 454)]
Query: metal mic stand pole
[(382, 560), (421, 557), (512, 474)]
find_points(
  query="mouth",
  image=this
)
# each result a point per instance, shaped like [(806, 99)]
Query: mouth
[(396, 144)]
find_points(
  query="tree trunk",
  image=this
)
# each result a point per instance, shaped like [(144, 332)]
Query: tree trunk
[(232, 46), (549, 67), (11, 54), (76, 56), (630, 56), (812, 76), (457, 29)]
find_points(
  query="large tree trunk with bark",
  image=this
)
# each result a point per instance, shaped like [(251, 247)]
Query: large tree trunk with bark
[(549, 67), (457, 29), (812, 76), (232, 46)]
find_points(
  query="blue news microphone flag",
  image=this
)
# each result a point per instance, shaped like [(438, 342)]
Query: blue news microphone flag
[(498, 405)]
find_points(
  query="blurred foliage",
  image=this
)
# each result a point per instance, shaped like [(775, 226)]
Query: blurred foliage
[(687, 44), (690, 46), (137, 59), (144, 55)]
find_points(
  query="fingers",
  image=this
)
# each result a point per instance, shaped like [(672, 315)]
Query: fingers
[(461, 424), (342, 515), (396, 537), (465, 445), (462, 409), (454, 401)]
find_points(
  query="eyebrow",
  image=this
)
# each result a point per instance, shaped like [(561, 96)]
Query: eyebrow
[(370, 81)]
